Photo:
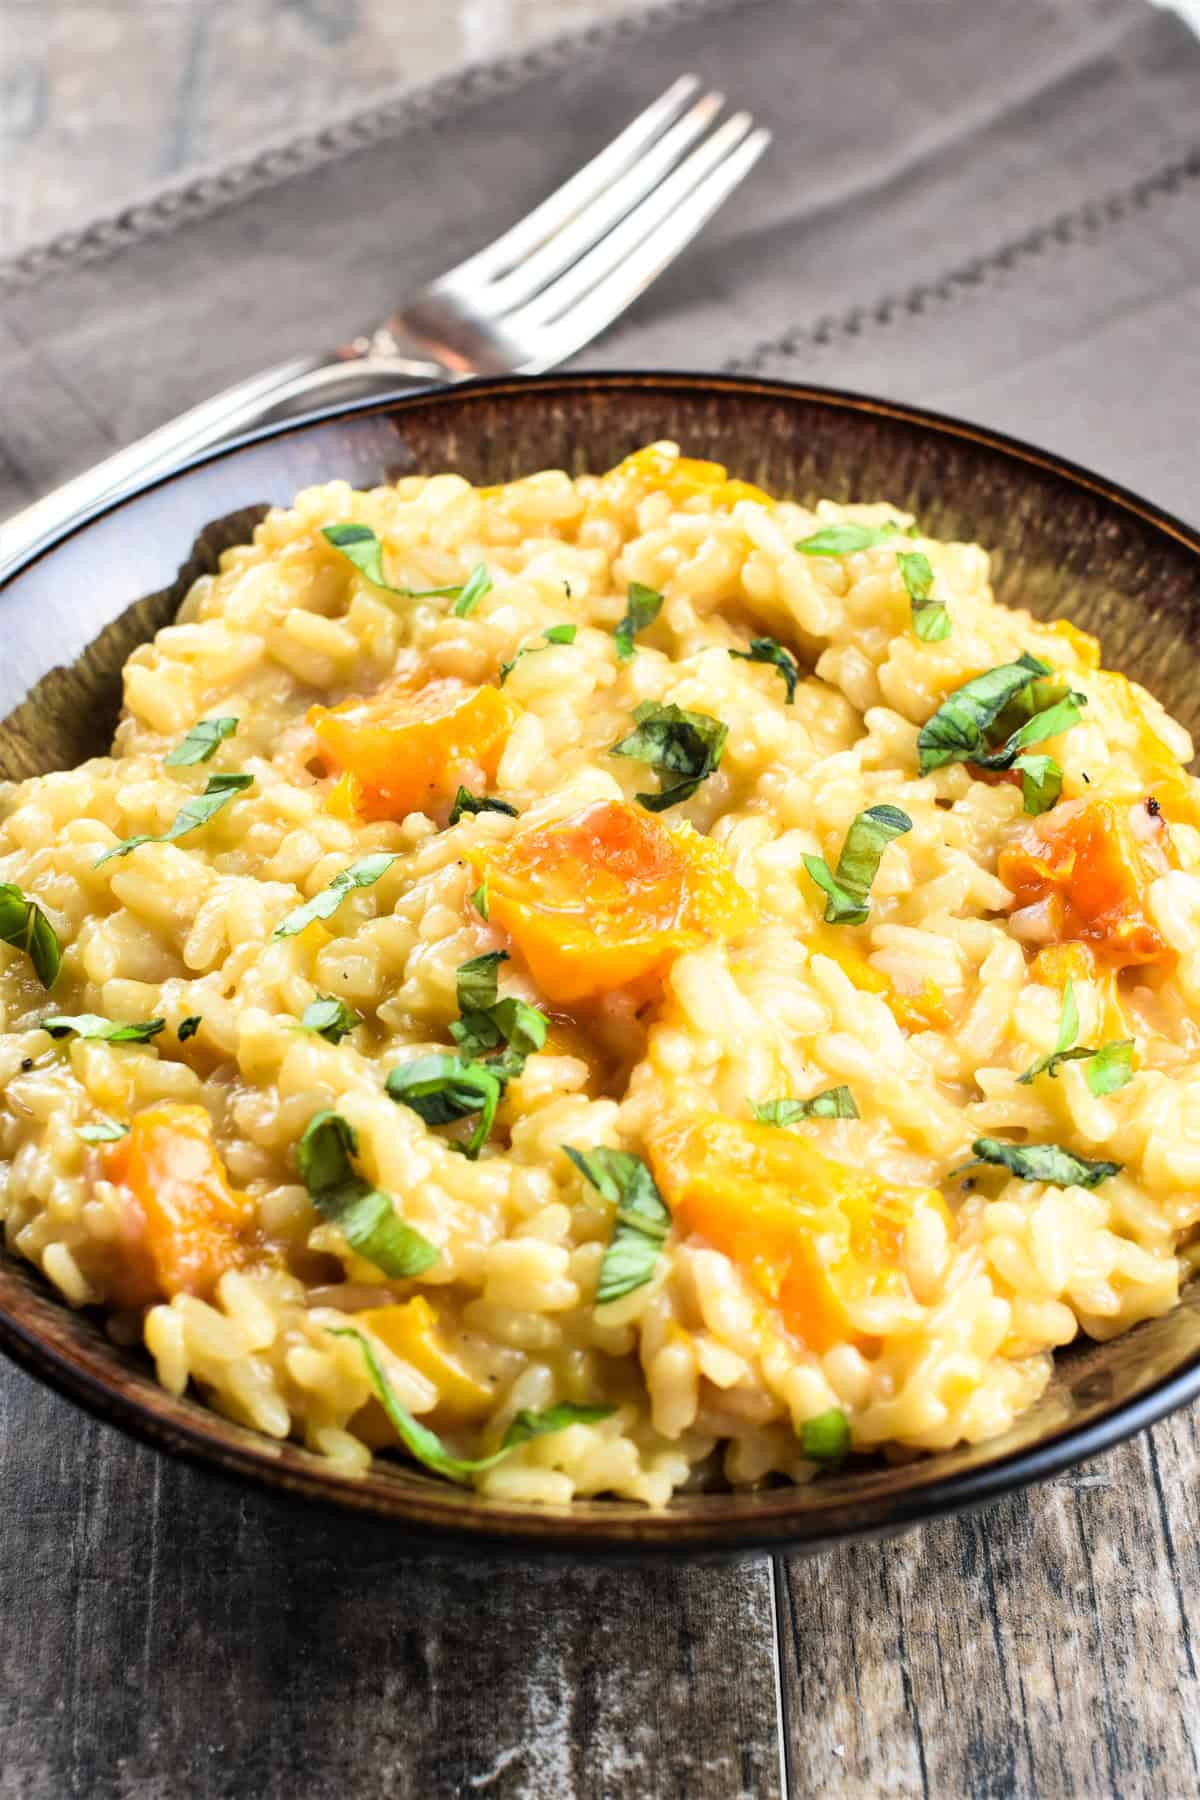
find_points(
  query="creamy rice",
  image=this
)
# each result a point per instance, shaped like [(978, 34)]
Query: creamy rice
[(928, 1012)]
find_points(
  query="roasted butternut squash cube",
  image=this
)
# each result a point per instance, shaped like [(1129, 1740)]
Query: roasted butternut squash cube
[(811, 1235), (412, 1332), (683, 477), (1090, 870), (186, 1225), (407, 749), (608, 897)]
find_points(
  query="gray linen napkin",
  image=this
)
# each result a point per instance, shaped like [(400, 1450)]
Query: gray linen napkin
[(993, 210)]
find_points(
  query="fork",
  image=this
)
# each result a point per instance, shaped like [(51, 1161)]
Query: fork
[(527, 301)]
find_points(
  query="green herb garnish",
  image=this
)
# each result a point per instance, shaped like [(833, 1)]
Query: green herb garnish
[(849, 886), (488, 1022), (218, 792), (477, 584), (329, 1018), (1109, 1067), (25, 926), (834, 1103), (675, 742), (442, 1088), (479, 899), (826, 1438), (102, 1131), (1041, 1162), (359, 545), (930, 620), (90, 1025), (365, 1217), (465, 802), (555, 634), (428, 1448), (200, 742), (642, 607), (844, 540), (642, 1220), (363, 873), (767, 650), (955, 733), (188, 1027)]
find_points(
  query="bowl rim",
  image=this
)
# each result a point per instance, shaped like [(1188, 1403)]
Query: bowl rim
[(452, 1518)]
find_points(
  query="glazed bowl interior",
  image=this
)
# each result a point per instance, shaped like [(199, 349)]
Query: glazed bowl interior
[(1064, 545)]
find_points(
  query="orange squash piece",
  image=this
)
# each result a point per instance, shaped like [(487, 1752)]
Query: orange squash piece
[(608, 897), (683, 477), (813, 1237), (407, 748), (1086, 863), (411, 1330), (186, 1224)]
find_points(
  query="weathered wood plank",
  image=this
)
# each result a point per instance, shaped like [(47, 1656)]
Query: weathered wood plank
[(1045, 1647), (205, 79), (163, 1633)]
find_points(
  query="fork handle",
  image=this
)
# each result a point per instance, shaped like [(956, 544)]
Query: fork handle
[(276, 392)]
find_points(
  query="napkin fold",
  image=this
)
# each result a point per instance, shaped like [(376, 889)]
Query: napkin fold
[(994, 211)]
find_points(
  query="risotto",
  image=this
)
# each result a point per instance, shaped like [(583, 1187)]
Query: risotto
[(606, 985)]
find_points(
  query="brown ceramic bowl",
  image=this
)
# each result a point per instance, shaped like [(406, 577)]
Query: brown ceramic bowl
[(1065, 543)]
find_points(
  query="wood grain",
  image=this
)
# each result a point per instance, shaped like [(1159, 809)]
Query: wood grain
[(163, 1633), (1044, 1647)]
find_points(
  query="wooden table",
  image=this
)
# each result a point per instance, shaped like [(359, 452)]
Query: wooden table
[(163, 1634)]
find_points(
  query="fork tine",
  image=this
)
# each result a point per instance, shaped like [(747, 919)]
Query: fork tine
[(633, 275), (624, 240), (590, 224), (529, 233)]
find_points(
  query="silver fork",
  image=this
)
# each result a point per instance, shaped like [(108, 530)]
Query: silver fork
[(529, 300)]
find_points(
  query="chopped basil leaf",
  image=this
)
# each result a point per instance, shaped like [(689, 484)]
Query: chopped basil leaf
[(479, 899), (25, 926), (477, 584), (465, 802), (674, 742), (767, 650), (955, 733), (1110, 1068), (90, 1025), (428, 1448), (834, 1103), (555, 634), (1041, 782), (329, 1018), (103, 1131), (1049, 722), (844, 540), (849, 886), (527, 1424), (442, 1088), (826, 1438), (642, 1220), (488, 1022), (366, 1218), (1041, 1162), (188, 1027), (1068, 1031), (359, 545), (931, 621), (218, 792), (363, 873), (200, 742), (475, 983), (642, 607)]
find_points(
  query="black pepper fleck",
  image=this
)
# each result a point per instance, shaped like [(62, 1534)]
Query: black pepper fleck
[(26, 1064), (1152, 806)]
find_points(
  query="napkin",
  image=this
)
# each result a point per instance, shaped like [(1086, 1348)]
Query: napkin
[(990, 210)]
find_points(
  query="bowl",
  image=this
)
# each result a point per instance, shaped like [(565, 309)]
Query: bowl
[(1065, 543)]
